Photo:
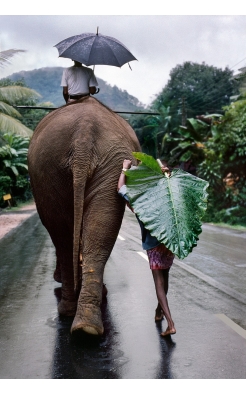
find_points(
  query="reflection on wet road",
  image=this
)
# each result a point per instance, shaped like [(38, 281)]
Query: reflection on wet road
[(221, 255), (36, 343)]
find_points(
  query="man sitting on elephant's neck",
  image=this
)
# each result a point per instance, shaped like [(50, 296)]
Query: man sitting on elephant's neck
[(78, 81)]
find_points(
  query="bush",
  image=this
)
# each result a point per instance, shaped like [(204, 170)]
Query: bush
[(22, 189), (5, 188), (231, 216)]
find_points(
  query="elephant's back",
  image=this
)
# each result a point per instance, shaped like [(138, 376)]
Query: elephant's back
[(87, 121)]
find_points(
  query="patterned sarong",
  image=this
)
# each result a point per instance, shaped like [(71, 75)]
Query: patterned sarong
[(160, 257)]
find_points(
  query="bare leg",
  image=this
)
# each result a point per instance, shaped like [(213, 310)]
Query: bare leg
[(158, 311), (160, 279)]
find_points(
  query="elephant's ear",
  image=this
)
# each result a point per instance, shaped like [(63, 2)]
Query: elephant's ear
[(171, 208)]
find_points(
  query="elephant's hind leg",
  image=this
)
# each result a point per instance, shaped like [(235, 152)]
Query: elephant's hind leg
[(99, 235), (64, 270), (68, 304), (88, 315)]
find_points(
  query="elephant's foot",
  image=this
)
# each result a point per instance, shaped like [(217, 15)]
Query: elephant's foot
[(67, 308), (88, 319)]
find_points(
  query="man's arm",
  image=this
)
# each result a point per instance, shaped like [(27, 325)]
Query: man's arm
[(122, 179), (65, 93), (92, 83)]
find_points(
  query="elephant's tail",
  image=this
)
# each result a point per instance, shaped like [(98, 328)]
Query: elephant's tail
[(79, 189)]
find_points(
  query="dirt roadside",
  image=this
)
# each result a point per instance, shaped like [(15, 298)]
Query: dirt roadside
[(13, 218)]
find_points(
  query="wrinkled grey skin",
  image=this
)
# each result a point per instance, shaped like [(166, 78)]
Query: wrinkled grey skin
[(75, 159)]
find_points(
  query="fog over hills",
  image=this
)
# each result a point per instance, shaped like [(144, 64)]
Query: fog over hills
[(47, 82)]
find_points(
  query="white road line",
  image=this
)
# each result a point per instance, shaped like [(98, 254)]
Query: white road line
[(121, 238), (232, 325), (240, 265), (143, 255), (229, 291)]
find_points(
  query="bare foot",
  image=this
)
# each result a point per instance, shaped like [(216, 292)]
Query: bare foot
[(158, 314), (168, 331)]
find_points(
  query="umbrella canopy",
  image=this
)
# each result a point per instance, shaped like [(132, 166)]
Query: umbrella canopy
[(95, 49)]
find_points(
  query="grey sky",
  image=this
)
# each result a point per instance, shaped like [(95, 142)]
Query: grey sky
[(159, 42)]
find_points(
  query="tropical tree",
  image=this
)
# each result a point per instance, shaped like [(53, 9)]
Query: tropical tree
[(196, 89), (225, 152), (11, 95), (216, 145)]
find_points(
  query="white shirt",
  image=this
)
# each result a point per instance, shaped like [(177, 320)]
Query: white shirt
[(78, 80)]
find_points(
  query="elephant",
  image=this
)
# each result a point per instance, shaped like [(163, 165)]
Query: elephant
[(75, 158)]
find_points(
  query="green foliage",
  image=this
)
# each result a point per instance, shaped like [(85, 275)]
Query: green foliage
[(31, 117), (233, 216), (231, 135), (152, 131), (16, 95), (193, 89), (6, 183), (14, 177), (214, 146), (171, 208), (11, 125), (224, 164), (14, 154), (196, 89), (188, 143), (13, 94)]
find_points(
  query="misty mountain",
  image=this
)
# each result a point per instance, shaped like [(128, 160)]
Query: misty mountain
[(47, 82)]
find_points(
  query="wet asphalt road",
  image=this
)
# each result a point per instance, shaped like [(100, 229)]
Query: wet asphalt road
[(207, 298)]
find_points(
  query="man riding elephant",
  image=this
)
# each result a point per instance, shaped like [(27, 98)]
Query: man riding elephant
[(74, 161)]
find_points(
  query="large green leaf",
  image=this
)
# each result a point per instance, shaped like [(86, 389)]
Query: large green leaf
[(9, 110), (14, 93), (171, 208), (13, 126)]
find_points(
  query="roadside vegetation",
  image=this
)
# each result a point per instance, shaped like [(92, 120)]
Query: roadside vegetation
[(203, 131), (14, 138)]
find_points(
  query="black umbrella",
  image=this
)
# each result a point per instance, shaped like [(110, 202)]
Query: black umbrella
[(95, 49)]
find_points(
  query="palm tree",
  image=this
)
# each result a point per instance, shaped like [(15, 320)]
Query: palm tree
[(9, 96)]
